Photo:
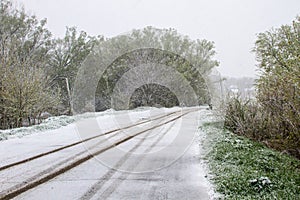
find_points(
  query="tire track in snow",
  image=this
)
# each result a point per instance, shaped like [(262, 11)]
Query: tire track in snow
[(97, 186), (77, 143), (15, 191)]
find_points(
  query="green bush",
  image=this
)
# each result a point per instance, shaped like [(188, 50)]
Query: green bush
[(248, 118), (274, 117)]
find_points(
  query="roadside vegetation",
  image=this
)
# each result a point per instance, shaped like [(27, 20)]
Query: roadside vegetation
[(38, 71), (245, 169), (255, 153), (272, 117)]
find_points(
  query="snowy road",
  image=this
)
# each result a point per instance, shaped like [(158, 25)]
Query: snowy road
[(146, 154)]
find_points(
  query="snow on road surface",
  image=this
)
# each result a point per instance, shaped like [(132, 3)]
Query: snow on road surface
[(163, 163)]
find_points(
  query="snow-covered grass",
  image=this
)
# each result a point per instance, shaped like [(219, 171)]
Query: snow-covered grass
[(244, 169), (60, 121), (50, 124)]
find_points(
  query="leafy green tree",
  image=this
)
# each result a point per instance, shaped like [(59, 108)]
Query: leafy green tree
[(24, 51), (278, 53), (171, 49), (273, 118), (66, 57), (153, 95)]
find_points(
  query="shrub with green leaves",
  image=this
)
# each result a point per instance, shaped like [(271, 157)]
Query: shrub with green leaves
[(274, 117)]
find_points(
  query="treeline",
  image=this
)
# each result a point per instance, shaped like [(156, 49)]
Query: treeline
[(38, 71), (141, 70), (274, 116)]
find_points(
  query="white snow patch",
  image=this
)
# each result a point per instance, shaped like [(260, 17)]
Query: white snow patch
[(59, 121)]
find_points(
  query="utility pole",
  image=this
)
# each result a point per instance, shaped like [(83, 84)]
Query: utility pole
[(69, 94)]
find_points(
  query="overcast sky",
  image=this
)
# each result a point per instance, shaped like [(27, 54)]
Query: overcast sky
[(231, 24)]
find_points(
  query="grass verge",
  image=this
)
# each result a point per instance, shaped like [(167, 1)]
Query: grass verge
[(244, 169)]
